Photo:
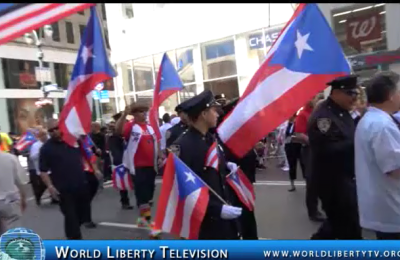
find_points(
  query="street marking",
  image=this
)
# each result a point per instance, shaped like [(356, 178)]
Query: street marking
[(278, 183), (133, 226)]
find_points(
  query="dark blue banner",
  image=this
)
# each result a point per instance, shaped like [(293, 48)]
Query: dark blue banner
[(188, 249)]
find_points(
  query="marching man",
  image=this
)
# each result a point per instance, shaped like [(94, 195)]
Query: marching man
[(140, 158)]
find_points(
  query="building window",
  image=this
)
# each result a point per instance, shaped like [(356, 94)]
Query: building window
[(40, 32), (56, 32), (63, 74), (103, 11), (106, 39), (361, 29), (229, 87), (143, 73), (70, 32), (81, 30), (81, 12), (127, 11), (184, 59), (218, 59)]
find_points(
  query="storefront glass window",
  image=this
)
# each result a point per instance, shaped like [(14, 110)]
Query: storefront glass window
[(63, 74), (127, 76), (184, 64), (188, 92), (218, 58), (143, 73), (21, 74), (229, 87), (361, 29)]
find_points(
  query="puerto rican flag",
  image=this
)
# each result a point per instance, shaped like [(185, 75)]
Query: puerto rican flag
[(212, 156), (303, 59), (25, 141), (91, 68), (17, 19), (168, 83), (121, 179), (183, 200), (88, 155), (243, 188)]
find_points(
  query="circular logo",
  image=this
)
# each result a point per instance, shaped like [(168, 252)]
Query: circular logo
[(21, 244)]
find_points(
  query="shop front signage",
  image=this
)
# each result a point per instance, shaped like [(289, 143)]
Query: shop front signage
[(256, 40), (362, 29), (369, 60)]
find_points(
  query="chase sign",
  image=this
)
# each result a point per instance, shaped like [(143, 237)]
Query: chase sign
[(256, 40)]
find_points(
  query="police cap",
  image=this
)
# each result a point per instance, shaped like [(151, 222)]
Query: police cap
[(348, 82), (181, 107), (199, 103)]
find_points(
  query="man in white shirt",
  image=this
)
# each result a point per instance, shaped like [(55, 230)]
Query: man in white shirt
[(12, 194), (37, 184), (163, 130), (377, 159)]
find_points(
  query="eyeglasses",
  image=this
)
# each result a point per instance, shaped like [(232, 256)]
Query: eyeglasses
[(51, 130), (352, 93)]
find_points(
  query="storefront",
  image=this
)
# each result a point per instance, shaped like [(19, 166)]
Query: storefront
[(224, 66), (20, 83)]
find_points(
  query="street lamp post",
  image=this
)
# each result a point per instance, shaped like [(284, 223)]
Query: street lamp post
[(34, 38)]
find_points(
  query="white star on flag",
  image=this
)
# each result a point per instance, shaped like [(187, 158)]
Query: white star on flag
[(87, 53), (190, 177), (301, 43)]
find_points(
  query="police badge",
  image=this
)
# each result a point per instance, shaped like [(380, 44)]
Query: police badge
[(324, 124), (21, 244), (175, 149)]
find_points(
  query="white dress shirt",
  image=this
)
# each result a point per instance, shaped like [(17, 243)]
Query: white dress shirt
[(377, 153), (163, 131), (34, 154)]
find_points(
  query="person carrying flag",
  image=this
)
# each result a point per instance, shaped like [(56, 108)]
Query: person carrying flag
[(141, 158), (207, 161)]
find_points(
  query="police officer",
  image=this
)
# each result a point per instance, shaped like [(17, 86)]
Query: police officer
[(331, 137), (174, 132), (194, 147), (248, 224), (221, 99)]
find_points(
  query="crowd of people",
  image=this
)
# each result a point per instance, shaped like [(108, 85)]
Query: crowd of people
[(348, 154)]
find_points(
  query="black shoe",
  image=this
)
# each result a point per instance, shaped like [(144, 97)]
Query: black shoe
[(151, 203), (127, 207), (292, 189), (317, 217), (90, 224), (54, 202)]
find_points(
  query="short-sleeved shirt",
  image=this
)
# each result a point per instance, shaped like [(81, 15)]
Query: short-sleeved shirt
[(144, 156), (65, 163), (11, 175), (377, 153), (300, 125)]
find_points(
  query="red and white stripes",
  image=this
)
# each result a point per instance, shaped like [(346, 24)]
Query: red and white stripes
[(31, 16), (212, 157)]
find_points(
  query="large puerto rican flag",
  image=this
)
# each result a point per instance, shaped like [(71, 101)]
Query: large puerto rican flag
[(17, 19), (168, 83), (183, 200), (91, 68), (303, 59)]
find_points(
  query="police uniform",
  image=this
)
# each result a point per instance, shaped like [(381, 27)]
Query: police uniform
[(174, 132), (331, 135), (248, 224), (192, 148)]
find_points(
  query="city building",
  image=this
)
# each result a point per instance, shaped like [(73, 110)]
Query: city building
[(220, 46), (21, 77), (368, 34), (217, 47)]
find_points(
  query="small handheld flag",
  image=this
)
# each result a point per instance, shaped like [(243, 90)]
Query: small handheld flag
[(243, 188), (121, 179), (25, 141), (183, 200)]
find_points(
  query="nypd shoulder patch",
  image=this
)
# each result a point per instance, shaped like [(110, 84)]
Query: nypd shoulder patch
[(324, 124)]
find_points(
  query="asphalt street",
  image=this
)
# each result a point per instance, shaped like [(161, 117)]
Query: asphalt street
[(280, 214)]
